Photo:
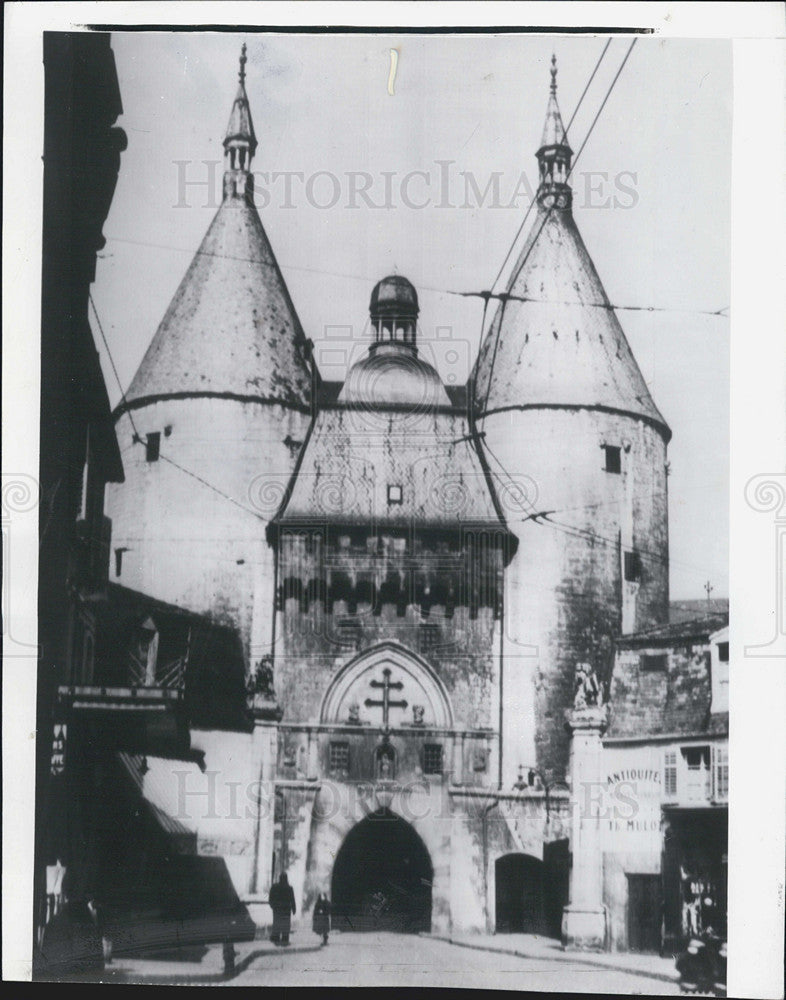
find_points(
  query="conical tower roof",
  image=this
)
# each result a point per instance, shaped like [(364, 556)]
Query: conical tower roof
[(557, 341), (231, 328)]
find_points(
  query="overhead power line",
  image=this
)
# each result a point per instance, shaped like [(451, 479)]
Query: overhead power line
[(529, 207), (483, 294), (138, 438), (546, 216), (112, 363), (545, 517)]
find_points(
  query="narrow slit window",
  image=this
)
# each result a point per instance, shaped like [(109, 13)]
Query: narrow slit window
[(632, 566), (723, 652), (153, 446), (613, 458)]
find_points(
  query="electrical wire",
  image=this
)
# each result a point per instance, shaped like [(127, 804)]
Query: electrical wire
[(547, 215), (566, 131), (137, 439)]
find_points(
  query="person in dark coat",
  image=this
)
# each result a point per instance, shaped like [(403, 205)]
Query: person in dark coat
[(321, 919), (282, 903), (72, 940), (694, 967)]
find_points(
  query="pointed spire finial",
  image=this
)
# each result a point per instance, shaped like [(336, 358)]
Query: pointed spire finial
[(554, 155), (240, 143), (243, 60)]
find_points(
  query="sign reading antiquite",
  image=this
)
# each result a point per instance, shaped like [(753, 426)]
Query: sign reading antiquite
[(633, 800), (628, 804)]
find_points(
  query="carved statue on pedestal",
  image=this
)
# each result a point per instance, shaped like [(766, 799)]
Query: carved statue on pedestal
[(260, 692), (587, 690), (260, 681)]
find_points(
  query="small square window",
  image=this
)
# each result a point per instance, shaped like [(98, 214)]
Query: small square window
[(153, 446), (613, 458), (432, 758), (723, 652), (395, 495), (339, 757), (655, 662), (632, 566)]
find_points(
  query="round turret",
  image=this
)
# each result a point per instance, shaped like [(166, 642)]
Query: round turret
[(211, 423), (561, 406)]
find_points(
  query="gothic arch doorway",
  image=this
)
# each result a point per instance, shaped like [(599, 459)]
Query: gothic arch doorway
[(382, 877)]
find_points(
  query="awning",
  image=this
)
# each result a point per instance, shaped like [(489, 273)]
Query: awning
[(158, 781)]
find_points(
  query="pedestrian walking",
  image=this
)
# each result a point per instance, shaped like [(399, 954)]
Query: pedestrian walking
[(72, 940), (97, 913), (282, 903), (321, 918), (229, 955)]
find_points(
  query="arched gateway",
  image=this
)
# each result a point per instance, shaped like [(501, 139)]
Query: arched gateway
[(531, 894), (382, 877)]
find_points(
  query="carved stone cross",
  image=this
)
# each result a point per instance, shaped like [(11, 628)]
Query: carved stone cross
[(385, 702)]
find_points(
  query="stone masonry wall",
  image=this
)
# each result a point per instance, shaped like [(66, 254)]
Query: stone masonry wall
[(565, 596), (192, 523)]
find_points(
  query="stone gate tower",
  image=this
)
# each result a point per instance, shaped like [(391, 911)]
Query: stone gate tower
[(561, 405), (211, 424)]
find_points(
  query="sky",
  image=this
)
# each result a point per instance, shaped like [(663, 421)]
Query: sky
[(447, 163)]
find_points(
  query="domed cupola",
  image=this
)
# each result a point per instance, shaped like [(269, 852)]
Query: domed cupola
[(392, 374), (394, 310)]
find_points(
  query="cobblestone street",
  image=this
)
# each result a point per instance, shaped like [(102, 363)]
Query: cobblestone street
[(386, 959)]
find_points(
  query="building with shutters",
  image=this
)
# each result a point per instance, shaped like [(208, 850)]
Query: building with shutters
[(664, 806), (388, 605)]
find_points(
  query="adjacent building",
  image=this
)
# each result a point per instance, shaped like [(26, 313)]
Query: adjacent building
[(79, 453), (664, 805)]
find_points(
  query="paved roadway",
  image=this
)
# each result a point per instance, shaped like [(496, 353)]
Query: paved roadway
[(386, 959)]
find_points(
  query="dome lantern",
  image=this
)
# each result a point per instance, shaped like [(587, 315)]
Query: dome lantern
[(394, 312)]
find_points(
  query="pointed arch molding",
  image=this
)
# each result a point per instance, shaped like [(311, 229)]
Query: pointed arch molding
[(419, 686)]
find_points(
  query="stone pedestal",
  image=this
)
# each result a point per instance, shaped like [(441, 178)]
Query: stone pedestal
[(584, 919)]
